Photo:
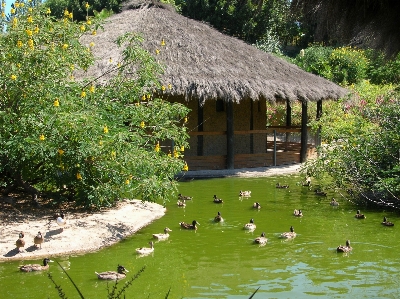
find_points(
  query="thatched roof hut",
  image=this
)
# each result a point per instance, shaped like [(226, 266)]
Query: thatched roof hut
[(203, 64), (206, 64)]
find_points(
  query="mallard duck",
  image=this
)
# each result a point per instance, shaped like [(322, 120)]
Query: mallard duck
[(183, 197), (278, 185), (20, 243), (181, 203), (189, 226), (334, 202), (61, 220), (112, 275), (217, 200), (320, 193), (387, 223), (256, 205), (163, 236), (218, 218), (146, 250), (289, 235), (261, 239), (244, 193), (36, 267), (346, 248), (359, 215), (38, 240), (298, 213), (250, 225)]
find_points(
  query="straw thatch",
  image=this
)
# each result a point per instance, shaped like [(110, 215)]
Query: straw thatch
[(202, 63)]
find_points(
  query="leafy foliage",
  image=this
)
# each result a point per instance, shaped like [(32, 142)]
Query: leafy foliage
[(362, 141), (81, 140)]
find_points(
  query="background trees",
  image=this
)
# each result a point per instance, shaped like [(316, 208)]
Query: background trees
[(79, 140)]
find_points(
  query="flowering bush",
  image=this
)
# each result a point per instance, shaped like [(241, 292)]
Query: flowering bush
[(78, 139)]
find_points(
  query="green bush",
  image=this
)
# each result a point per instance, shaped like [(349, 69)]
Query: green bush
[(81, 140), (315, 59)]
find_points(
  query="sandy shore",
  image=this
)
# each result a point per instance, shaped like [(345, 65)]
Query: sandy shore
[(88, 232)]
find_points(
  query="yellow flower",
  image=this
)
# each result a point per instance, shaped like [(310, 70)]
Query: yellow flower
[(21, 4), (65, 46), (60, 152), (91, 44), (78, 176), (162, 42), (48, 11), (143, 97), (101, 142), (169, 86), (83, 94), (186, 167), (72, 67), (169, 153), (3, 4), (19, 44), (163, 88), (113, 154), (182, 148), (87, 5), (88, 22), (16, 4), (3, 14), (91, 88), (110, 60), (36, 30), (56, 103), (82, 27), (148, 96), (66, 13), (28, 32), (157, 51), (41, 137), (175, 154), (30, 43), (105, 129), (13, 77), (29, 19), (12, 11), (70, 15), (185, 119), (142, 124), (30, 9), (127, 182), (94, 32), (157, 148)]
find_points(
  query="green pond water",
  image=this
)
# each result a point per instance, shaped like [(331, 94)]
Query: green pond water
[(220, 260)]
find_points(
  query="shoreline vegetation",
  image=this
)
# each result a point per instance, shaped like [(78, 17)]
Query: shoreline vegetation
[(86, 231)]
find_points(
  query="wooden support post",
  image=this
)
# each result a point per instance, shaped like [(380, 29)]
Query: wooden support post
[(288, 122), (200, 120), (251, 127), (304, 137), (230, 149)]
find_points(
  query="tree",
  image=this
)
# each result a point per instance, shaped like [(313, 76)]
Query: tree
[(78, 139), (361, 150)]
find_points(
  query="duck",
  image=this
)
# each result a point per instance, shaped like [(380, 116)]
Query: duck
[(146, 250), (289, 235), (298, 213), (359, 215), (278, 185), (334, 202), (183, 197), (387, 223), (112, 275), (261, 239), (346, 248), (250, 225), (244, 193), (307, 182), (38, 240), (36, 267), (181, 203), (319, 192), (256, 205), (61, 221), (217, 200), (20, 243), (218, 218), (189, 226), (163, 236)]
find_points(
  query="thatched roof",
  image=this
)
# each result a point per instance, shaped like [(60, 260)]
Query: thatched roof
[(202, 63)]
